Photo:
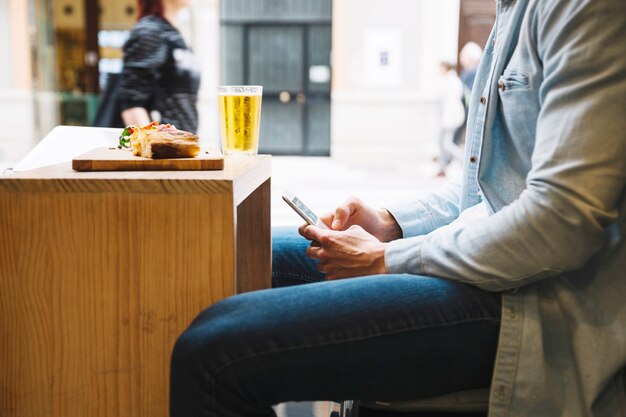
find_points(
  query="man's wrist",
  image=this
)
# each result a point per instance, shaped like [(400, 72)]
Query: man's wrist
[(390, 230), (379, 266)]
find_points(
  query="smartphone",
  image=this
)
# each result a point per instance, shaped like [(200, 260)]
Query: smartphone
[(304, 212)]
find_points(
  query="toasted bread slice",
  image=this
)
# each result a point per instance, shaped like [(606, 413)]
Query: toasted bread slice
[(163, 141)]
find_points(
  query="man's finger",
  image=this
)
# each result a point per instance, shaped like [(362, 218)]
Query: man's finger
[(311, 232), (327, 219), (343, 213), (322, 267), (333, 273), (313, 252)]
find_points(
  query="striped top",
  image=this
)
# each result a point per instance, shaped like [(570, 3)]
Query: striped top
[(160, 74)]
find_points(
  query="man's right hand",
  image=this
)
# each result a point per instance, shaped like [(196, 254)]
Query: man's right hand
[(379, 223)]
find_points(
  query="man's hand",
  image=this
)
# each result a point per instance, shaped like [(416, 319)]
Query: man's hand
[(344, 254), (379, 223)]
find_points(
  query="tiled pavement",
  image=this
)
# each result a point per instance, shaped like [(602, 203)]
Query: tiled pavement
[(323, 183)]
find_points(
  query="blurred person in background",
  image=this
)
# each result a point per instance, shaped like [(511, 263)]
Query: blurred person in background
[(451, 117), (469, 58), (161, 77)]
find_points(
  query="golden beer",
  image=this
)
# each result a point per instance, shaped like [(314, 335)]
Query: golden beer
[(240, 119)]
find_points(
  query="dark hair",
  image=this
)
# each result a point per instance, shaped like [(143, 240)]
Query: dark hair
[(150, 8)]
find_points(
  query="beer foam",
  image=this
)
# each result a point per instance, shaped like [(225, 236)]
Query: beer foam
[(240, 90)]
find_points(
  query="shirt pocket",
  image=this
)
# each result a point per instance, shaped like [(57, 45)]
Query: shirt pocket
[(519, 111), (512, 80)]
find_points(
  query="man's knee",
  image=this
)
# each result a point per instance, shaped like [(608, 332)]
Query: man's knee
[(208, 339)]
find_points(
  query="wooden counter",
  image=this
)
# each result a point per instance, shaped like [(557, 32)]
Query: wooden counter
[(101, 271)]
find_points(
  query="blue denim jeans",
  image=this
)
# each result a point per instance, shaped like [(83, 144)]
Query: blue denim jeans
[(385, 337)]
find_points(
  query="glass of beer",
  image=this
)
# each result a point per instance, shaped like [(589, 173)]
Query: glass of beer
[(240, 118)]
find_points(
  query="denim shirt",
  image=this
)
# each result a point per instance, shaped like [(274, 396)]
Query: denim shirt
[(546, 156)]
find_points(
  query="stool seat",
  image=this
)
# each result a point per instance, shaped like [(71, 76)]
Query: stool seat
[(469, 401)]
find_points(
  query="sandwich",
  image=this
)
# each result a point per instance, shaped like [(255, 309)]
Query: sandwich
[(159, 141)]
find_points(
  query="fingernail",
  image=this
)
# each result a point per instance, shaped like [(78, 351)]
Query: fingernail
[(335, 224)]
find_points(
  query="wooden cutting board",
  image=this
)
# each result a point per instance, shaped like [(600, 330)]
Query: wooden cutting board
[(113, 159)]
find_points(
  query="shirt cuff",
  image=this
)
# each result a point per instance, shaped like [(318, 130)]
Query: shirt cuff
[(414, 219), (404, 256)]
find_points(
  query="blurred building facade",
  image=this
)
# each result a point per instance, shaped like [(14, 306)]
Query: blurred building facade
[(355, 79)]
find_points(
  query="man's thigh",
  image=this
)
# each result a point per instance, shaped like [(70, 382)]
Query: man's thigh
[(379, 337)]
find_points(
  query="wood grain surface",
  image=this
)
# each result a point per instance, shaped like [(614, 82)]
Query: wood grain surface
[(113, 159), (253, 223), (96, 283)]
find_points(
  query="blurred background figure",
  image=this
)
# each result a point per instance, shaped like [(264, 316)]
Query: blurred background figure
[(451, 117), (469, 57), (161, 77)]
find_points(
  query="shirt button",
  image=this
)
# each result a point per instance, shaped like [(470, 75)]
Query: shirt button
[(472, 159), (482, 100), (501, 85)]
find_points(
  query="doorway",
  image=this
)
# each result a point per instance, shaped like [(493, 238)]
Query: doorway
[(476, 20), (76, 45)]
